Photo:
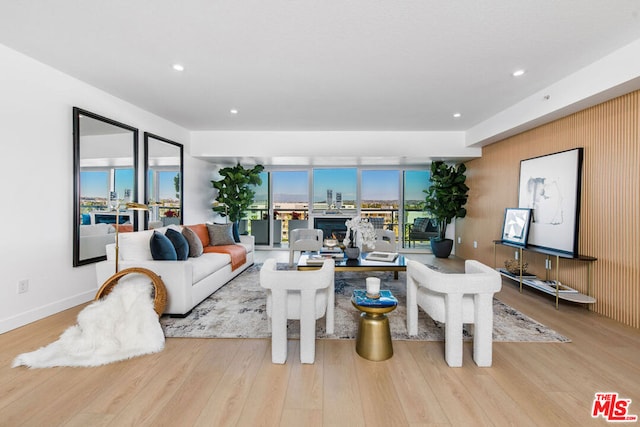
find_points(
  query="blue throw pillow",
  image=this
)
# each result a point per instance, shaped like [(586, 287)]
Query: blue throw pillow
[(161, 248), (180, 243)]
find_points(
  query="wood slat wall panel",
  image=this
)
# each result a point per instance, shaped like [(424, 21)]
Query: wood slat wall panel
[(610, 206)]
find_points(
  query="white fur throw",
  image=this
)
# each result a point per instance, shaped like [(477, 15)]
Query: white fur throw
[(118, 327)]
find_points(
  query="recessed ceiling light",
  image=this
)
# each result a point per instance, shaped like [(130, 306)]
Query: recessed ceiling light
[(233, 111), (457, 115), (517, 73), (178, 67)]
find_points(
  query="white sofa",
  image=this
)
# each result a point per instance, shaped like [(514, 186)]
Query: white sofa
[(94, 238), (188, 282)]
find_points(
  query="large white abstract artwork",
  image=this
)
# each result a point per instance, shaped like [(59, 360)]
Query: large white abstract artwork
[(550, 187)]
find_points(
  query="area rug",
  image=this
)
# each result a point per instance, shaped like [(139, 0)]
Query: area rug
[(238, 310)]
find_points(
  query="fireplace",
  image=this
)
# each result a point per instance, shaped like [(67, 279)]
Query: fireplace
[(331, 227)]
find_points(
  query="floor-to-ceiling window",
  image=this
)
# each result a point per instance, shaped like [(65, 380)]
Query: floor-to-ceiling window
[(290, 202), (335, 188), (391, 198), (104, 188), (415, 182), (257, 218), (95, 190), (380, 197), (164, 187), (123, 181)]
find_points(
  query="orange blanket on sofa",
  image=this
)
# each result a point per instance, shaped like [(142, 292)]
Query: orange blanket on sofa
[(238, 253)]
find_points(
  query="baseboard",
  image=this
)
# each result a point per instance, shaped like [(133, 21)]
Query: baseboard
[(38, 313)]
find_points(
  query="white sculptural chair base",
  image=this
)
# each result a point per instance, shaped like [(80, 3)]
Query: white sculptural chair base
[(455, 299), (303, 295)]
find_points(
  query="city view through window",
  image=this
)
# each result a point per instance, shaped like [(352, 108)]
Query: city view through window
[(97, 186), (394, 197)]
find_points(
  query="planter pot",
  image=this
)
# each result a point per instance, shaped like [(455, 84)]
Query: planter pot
[(442, 248), (168, 220), (352, 253)]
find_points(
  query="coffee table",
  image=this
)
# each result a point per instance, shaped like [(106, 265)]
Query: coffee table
[(360, 264)]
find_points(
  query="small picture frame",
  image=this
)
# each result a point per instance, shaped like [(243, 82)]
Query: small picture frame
[(515, 229)]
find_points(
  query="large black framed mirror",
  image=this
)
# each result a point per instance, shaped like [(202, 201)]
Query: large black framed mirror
[(105, 168), (163, 188)]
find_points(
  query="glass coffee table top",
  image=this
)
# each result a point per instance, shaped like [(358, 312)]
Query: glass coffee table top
[(360, 264)]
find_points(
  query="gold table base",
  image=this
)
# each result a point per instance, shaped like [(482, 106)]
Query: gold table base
[(373, 341)]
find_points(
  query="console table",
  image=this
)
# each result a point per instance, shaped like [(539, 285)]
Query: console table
[(549, 288)]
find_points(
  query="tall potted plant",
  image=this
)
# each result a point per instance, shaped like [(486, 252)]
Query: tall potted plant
[(445, 201), (235, 194)]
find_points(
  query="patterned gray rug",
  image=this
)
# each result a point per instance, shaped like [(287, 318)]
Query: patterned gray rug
[(238, 310)]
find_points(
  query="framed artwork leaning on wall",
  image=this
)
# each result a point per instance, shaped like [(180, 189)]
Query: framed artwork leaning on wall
[(550, 186), (515, 228)]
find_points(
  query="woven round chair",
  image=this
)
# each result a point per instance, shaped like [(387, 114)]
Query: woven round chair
[(159, 290)]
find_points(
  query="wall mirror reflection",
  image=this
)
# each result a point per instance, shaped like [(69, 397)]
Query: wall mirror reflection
[(105, 179), (163, 162)]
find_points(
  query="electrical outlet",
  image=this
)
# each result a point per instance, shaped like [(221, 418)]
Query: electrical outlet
[(23, 286), (459, 239), (475, 244)]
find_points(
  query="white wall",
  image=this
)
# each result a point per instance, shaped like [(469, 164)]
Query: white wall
[(309, 147), (36, 172), (609, 77)]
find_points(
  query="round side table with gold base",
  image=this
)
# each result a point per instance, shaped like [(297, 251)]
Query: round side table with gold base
[(373, 341)]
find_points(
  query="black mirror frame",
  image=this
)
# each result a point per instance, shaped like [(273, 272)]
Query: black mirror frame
[(148, 135), (77, 113)]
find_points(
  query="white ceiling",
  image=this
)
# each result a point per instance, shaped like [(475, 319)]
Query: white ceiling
[(394, 65)]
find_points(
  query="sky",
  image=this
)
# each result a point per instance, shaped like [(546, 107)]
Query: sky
[(96, 184), (376, 184)]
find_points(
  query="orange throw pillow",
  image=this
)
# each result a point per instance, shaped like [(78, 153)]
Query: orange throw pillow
[(124, 228), (202, 231)]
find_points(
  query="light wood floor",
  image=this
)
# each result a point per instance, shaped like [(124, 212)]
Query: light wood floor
[(219, 382)]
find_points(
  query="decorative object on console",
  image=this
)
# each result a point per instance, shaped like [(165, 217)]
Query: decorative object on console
[(516, 268), (360, 232), (515, 228), (129, 206), (445, 200), (550, 186)]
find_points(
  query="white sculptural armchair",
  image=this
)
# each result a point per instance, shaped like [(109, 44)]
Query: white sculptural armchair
[(304, 239), (303, 295), (455, 299)]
